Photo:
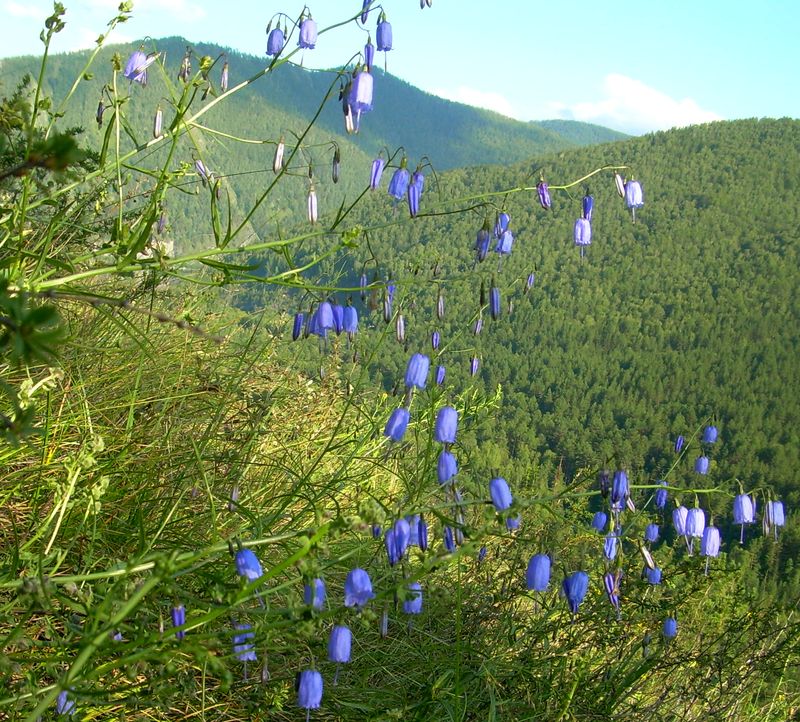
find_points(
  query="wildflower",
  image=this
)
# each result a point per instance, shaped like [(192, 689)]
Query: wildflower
[(501, 224), (440, 374), (500, 493), (362, 284), (604, 482), (357, 588), (619, 490), (417, 371), (402, 535), (473, 365), (695, 522), (350, 321), (775, 515), (413, 604), (365, 11), (670, 629), (709, 434), (444, 430), (482, 553), (297, 327), (312, 205), (436, 339), (575, 587), (610, 545), (537, 577), (544, 195), (369, 54), (339, 644), (422, 534), (137, 65), (375, 173), (587, 206), (277, 160), (178, 620), (400, 328), (611, 583), (679, 444), (710, 543), (325, 319), (653, 576), (651, 533), (376, 531), (582, 232), (504, 243), (315, 594), (701, 465), (661, 496), (446, 467), (449, 542), (202, 171), (396, 425), (247, 565), (529, 282), (679, 517), (599, 520), (275, 42), (513, 522), (633, 195), (387, 308), (242, 648), (494, 301), (398, 184), (309, 690), (308, 33), (223, 77), (415, 193), (478, 324), (65, 704), (383, 34), (157, 122), (619, 182), (360, 97), (744, 512)]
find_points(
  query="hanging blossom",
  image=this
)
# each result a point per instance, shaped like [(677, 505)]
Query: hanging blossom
[(137, 65), (308, 33)]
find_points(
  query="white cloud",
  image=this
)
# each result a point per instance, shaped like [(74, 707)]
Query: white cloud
[(24, 11), (482, 99), (630, 105)]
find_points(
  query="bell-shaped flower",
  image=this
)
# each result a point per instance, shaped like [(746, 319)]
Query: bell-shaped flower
[(339, 644), (670, 628), (392, 552), (243, 648), (474, 362), (137, 65), (413, 603), (587, 206), (178, 620), (365, 11), (610, 545), (743, 509), (415, 193), (500, 493), (402, 535), (444, 430), (582, 232), (775, 513), (679, 517), (436, 339), (397, 424), (360, 96), (357, 588), (611, 583), (417, 371), (422, 534), (544, 194), (661, 496), (399, 182), (633, 194), (513, 522), (275, 42), (599, 521), (710, 543), (309, 689), (619, 490), (537, 576), (440, 374), (297, 327), (446, 467), (701, 465), (350, 321), (369, 54), (679, 444), (710, 434), (653, 576), (308, 33), (400, 328), (530, 281), (695, 522), (575, 587), (65, 704), (501, 225), (504, 243), (449, 541), (651, 533), (383, 34), (478, 324), (315, 594), (247, 565), (482, 244), (338, 317), (494, 301), (376, 171)]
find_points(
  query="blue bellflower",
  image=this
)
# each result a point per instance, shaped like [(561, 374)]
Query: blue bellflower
[(357, 588), (247, 565), (376, 171), (710, 434), (413, 603), (679, 517), (399, 182), (417, 371), (178, 620), (661, 496), (544, 195), (599, 520), (651, 533), (500, 494), (587, 207), (537, 576), (315, 594), (446, 467), (670, 629), (308, 33), (582, 232), (275, 42), (137, 65), (444, 430), (397, 424), (339, 644), (297, 327), (701, 465), (440, 374), (575, 587), (679, 444), (653, 576), (243, 648), (309, 689), (383, 34)]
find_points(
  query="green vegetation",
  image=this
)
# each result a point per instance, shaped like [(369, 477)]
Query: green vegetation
[(157, 419)]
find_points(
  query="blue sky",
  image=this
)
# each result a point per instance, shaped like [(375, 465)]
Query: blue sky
[(631, 66)]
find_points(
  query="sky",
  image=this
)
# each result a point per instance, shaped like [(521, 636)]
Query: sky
[(634, 67)]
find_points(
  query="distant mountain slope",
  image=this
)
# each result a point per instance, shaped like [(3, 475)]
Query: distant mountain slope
[(451, 134)]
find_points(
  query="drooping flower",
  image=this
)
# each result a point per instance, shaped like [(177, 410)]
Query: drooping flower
[(383, 34), (357, 588), (544, 194), (360, 97), (275, 42), (513, 522), (444, 430), (397, 424), (619, 490), (695, 522), (137, 65), (336, 165), (446, 467), (242, 647), (413, 603), (482, 241), (500, 493), (633, 194), (651, 533), (440, 305), (436, 339), (309, 689), (65, 704), (653, 576), (339, 644), (610, 545), (440, 374), (402, 535), (504, 243), (376, 172), (365, 11), (494, 301), (449, 541), (575, 587), (308, 33), (415, 193), (701, 465), (478, 324), (587, 206), (679, 517), (501, 225), (744, 512), (417, 371), (775, 514), (202, 171), (247, 565), (530, 281), (473, 365), (710, 434), (537, 576), (398, 184), (315, 594), (297, 327), (679, 444), (710, 544), (611, 583), (582, 232), (369, 54), (599, 520), (185, 71), (670, 629), (661, 496), (350, 321), (422, 534), (178, 620)]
